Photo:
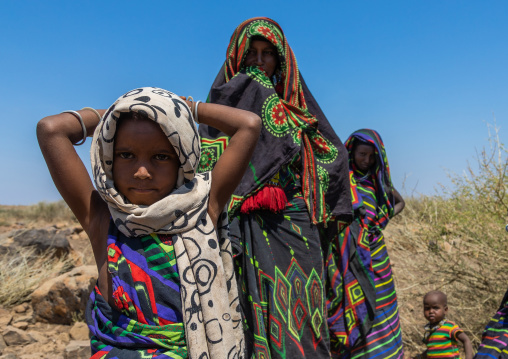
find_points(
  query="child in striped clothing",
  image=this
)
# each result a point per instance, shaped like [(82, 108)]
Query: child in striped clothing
[(441, 335)]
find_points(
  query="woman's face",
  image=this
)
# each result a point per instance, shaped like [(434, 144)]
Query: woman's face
[(262, 53), (364, 157), (145, 164)]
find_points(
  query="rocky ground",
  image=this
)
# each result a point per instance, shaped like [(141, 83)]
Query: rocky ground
[(49, 324)]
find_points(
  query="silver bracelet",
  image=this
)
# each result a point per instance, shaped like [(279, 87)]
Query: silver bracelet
[(94, 111), (195, 114), (80, 119)]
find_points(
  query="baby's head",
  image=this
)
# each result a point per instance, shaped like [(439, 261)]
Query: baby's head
[(435, 306)]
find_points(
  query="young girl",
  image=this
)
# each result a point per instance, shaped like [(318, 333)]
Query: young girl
[(362, 303), (166, 287)]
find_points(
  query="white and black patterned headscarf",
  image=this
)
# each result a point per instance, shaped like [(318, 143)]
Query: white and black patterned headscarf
[(210, 303), (175, 119)]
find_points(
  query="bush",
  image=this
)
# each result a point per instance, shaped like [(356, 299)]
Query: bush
[(456, 241)]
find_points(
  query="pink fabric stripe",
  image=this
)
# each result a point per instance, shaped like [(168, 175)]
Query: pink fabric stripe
[(386, 275), (387, 325)]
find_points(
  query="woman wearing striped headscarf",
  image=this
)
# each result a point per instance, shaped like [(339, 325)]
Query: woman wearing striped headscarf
[(362, 303), (297, 181)]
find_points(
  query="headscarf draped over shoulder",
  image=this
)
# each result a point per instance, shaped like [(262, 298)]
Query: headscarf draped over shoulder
[(381, 172), (292, 123)]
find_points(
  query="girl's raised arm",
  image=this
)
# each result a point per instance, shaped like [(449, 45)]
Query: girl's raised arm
[(56, 135), (243, 127)]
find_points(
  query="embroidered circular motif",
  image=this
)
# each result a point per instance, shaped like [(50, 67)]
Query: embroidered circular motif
[(259, 76), (274, 116), (206, 160), (324, 178), (268, 31), (324, 150)]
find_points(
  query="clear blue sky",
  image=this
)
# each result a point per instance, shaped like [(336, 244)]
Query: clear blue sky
[(427, 75)]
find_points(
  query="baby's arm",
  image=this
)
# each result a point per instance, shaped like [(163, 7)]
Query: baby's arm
[(468, 347), (243, 127)]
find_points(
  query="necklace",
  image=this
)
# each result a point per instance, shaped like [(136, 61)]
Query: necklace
[(363, 178)]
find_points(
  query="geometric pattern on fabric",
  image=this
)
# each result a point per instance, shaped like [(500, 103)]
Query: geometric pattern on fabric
[(384, 339), (211, 150), (146, 320), (363, 315), (282, 278), (315, 301), (354, 292)]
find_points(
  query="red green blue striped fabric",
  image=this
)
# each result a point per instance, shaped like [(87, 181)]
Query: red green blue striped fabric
[(442, 342)]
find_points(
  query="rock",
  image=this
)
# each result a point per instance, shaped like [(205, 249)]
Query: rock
[(24, 318), (5, 317), (44, 240), (20, 325), (78, 349), (63, 337), (9, 356), (61, 299), (22, 308), (3, 344), (39, 337), (79, 331), (15, 336), (81, 252)]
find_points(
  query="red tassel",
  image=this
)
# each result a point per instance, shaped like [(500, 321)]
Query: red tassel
[(269, 197)]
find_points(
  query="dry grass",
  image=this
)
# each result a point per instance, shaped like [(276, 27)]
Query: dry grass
[(23, 272), (454, 242), (40, 212)]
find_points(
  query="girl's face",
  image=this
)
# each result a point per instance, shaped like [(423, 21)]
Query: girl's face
[(262, 53), (145, 164), (364, 157)]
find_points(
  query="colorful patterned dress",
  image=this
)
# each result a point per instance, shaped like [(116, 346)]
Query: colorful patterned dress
[(494, 343), (281, 276), (362, 303), (146, 321), (297, 180)]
